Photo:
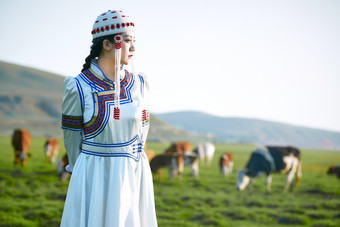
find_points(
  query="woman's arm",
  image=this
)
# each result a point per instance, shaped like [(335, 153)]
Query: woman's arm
[(72, 121)]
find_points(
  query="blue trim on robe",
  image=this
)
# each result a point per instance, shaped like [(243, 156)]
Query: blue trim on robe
[(81, 95)]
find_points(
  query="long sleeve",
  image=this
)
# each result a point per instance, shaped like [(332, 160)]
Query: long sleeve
[(72, 121)]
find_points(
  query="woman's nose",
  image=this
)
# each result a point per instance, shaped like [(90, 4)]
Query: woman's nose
[(132, 48)]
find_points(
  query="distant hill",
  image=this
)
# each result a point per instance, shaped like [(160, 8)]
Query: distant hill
[(31, 98), (243, 130)]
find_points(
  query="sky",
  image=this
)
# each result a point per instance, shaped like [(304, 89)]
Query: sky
[(276, 60)]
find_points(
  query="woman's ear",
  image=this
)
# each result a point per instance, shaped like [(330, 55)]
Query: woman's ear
[(107, 45)]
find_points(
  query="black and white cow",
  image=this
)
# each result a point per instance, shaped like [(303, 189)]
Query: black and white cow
[(334, 170), (271, 159)]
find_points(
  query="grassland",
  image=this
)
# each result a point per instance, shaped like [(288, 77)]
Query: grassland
[(33, 196)]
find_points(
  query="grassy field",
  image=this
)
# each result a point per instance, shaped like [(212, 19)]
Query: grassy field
[(33, 196)]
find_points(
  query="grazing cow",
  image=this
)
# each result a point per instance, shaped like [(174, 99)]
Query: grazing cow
[(226, 163), (190, 159), (334, 170), (175, 163), (51, 148), (205, 152), (150, 154), (271, 159), (179, 148), (21, 141), (61, 164)]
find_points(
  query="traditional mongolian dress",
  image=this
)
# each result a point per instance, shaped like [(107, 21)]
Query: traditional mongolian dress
[(111, 182)]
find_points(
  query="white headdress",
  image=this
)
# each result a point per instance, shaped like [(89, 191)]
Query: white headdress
[(110, 23)]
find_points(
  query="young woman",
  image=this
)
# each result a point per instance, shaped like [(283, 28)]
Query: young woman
[(105, 123)]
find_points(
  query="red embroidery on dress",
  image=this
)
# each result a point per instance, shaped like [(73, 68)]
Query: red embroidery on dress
[(107, 86), (145, 116), (116, 113), (74, 122), (96, 80), (102, 107)]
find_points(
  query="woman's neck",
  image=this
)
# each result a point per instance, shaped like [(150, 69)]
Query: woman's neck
[(108, 68)]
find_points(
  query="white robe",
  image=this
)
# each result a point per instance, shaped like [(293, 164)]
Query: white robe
[(111, 182)]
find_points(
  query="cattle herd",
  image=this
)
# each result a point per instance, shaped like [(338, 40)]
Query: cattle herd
[(21, 142), (263, 160)]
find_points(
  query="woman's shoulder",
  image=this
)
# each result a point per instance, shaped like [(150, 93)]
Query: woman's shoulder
[(73, 85), (69, 82), (75, 82), (143, 78)]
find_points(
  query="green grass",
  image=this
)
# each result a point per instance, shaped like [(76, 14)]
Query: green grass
[(33, 196)]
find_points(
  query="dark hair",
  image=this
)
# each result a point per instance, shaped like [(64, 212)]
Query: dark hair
[(96, 48)]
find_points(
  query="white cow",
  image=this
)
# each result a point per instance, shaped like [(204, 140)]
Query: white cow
[(205, 152)]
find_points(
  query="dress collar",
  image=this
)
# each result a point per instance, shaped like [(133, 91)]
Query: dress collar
[(99, 72)]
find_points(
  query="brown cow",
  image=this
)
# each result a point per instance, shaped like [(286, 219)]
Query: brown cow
[(21, 141), (226, 163), (182, 150), (179, 148), (174, 163), (149, 153), (334, 170), (61, 164), (51, 148)]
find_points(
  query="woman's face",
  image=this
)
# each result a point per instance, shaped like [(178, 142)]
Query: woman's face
[(128, 47)]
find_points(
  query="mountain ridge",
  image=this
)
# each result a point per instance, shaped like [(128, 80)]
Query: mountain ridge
[(32, 98), (248, 130), (204, 114)]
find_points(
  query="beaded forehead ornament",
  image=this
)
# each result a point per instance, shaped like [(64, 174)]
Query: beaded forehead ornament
[(111, 23)]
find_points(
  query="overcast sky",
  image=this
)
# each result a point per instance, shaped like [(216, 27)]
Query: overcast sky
[(272, 60)]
